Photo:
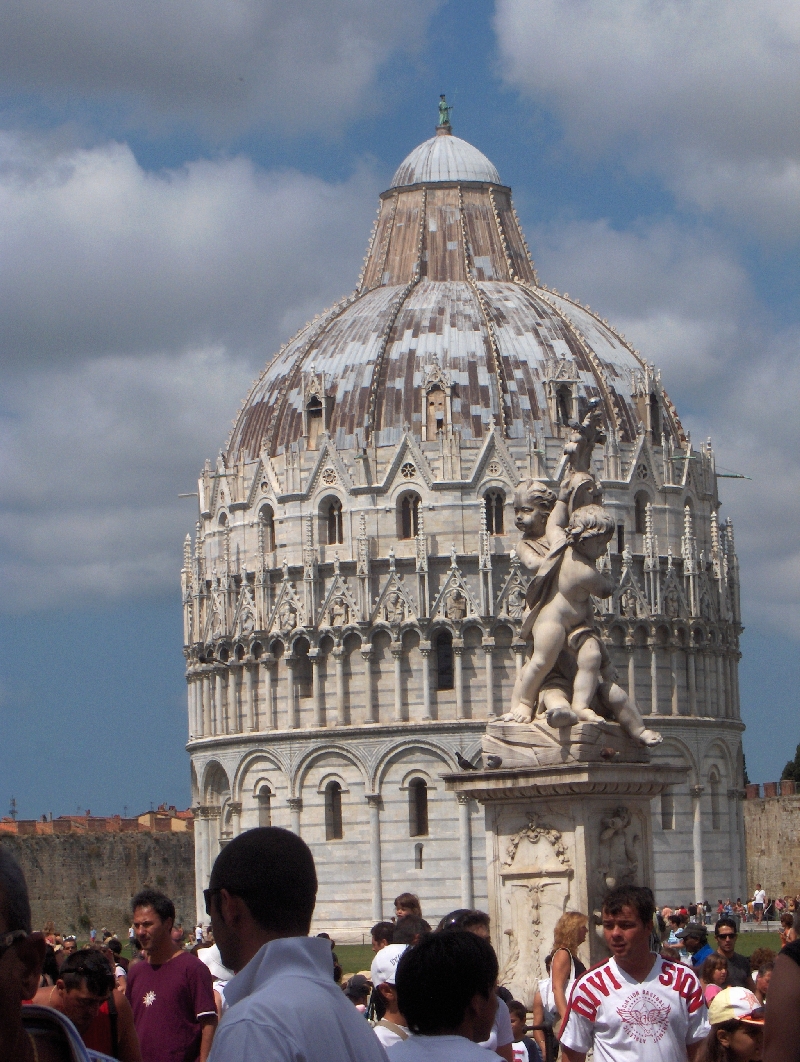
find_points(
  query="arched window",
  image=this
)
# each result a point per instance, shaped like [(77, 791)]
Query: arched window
[(444, 661), (667, 809), (436, 410), (564, 406), (493, 504), (314, 419), (333, 812), (655, 419), (418, 857), (335, 527), (267, 518), (222, 519), (409, 515), (418, 807), (620, 538), (713, 785), (264, 806), (640, 503)]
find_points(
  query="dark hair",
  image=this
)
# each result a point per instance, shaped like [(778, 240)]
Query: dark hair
[(515, 1007), (408, 929), (114, 945), (710, 964), (382, 931), (765, 968), (639, 897), (90, 966), (272, 869), (161, 904), (725, 921), (436, 979), (410, 902), (13, 893), (464, 919)]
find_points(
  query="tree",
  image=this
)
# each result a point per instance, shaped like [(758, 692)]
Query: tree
[(792, 768)]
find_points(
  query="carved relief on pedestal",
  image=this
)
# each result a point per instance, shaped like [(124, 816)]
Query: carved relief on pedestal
[(535, 878)]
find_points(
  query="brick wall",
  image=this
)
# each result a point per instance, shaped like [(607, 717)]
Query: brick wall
[(772, 836)]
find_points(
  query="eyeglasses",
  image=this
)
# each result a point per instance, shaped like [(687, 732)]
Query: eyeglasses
[(726, 936)]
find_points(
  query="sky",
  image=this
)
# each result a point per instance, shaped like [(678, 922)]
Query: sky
[(183, 185)]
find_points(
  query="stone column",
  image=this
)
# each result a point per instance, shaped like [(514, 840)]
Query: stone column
[(465, 842), (629, 649), (653, 675), (458, 676), (370, 712), (208, 719), (722, 700), (290, 697), (191, 698), (733, 835), (295, 807), (374, 804), (268, 670), (488, 660), (234, 709), (250, 696), (397, 653), (222, 708), (519, 656), (200, 841), (697, 841), (425, 650), (707, 682), (338, 656), (316, 692), (212, 848), (673, 670), (692, 677), (235, 808)]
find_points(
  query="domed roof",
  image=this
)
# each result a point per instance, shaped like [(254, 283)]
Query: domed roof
[(449, 292), (444, 158)]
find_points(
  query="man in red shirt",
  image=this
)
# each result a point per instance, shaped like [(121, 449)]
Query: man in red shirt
[(171, 994)]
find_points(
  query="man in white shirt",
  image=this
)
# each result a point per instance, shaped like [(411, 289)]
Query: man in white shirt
[(636, 1006), (759, 896), (283, 1002), (446, 990)]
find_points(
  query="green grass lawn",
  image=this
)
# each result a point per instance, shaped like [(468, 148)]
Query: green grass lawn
[(354, 957), (746, 943)]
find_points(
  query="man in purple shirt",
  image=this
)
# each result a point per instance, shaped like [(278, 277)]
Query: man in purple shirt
[(172, 994)]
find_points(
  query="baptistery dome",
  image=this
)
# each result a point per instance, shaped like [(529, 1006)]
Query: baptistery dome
[(352, 599)]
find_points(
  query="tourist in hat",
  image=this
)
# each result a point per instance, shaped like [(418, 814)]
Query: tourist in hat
[(392, 1027), (737, 1027), (695, 939)]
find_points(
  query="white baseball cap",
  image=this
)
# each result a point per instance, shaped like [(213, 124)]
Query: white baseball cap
[(213, 960), (385, 963)]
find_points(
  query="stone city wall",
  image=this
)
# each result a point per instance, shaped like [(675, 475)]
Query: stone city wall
[(772, 836), (84, 878)]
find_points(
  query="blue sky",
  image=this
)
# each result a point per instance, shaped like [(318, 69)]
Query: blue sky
[(183, 185)]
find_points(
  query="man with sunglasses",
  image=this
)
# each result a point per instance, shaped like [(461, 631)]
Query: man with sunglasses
[(738, 965), (283, 1002)]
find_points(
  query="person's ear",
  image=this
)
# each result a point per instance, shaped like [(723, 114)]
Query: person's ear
[(724, 1037), (231, 908)]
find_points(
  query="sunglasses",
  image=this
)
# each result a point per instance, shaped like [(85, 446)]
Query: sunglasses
[(208, 893), (726, 936)]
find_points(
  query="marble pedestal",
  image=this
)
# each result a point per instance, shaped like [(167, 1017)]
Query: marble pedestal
[(557, 838)]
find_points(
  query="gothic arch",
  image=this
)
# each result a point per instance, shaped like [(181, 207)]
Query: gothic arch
[(383, 764), (253, 758)]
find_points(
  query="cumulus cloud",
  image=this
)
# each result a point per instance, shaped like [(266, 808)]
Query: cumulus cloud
[(704, 92), (308, 65), (685, 302), (136, 308), (98, 256)]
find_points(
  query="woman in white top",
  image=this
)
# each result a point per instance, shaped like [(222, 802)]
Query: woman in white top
[(570, 932)]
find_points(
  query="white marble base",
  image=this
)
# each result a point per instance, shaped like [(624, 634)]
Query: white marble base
[(557, 838)]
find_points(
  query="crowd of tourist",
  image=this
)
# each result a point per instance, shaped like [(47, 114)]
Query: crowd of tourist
[(254, 985)]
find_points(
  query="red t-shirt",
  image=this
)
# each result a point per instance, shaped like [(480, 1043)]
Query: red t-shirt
[(98, 1035), (167, 1003)]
